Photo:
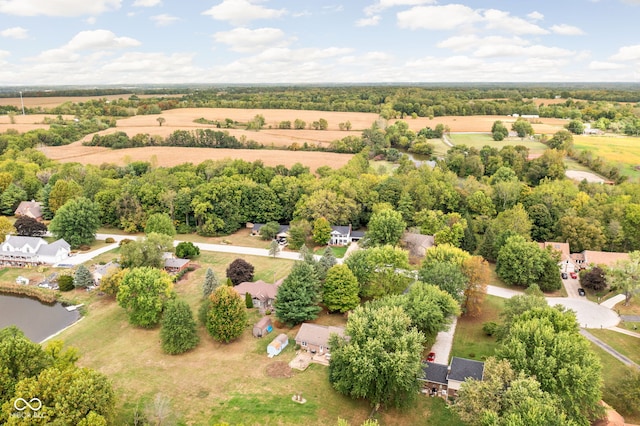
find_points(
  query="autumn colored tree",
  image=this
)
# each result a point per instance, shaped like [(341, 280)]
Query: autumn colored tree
[(227, 315), (478, 275), (240, 271)]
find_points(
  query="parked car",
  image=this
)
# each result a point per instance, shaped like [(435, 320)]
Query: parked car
[(431, 357), (564, 276), (581, 291), (573, 275)]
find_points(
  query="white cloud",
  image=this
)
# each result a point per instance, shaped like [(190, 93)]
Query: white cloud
[(247, 40), (564, 29), (368, 22), (500, 20), (4, 54), (164, 20), (497, 46), (381, 5), (14, 32), (240, 12), (91, 20), (627, 53), (57, 8), (99, 39), (445, 17), (535, 16), (147, 3), (472, 42), (604, 66)]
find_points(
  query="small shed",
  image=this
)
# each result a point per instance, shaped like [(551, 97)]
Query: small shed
[(22, 280), (277, 345), (262, 327)]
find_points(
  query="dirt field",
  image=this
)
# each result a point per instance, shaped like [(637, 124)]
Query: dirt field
[(25, 123), (54, 101), (172, 156), (483, 123)]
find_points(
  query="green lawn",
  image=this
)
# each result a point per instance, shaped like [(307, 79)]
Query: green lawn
[(626, 345), (478, 140), (621, 150), (338, 251), (470, 341)]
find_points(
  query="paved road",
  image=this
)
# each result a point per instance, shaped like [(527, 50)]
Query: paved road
[(609, 349), (572, 286), (610, 303)]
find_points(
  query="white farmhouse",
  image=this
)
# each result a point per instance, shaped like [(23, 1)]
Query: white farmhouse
[(30, 251)]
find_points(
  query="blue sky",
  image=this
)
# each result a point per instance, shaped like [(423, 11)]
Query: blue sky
[(50, 42)]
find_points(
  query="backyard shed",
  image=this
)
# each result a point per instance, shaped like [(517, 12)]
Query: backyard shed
[(277, 345), (262, 327)]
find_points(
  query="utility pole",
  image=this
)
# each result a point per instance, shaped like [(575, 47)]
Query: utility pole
[(22, 102)]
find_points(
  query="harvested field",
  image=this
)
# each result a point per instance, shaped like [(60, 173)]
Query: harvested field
[(483, 123), (173, 156), (25, 123)]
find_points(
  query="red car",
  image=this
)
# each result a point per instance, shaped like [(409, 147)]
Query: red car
[(431, 357), (573, 275)]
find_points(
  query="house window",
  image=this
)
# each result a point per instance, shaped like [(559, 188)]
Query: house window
[(303, 344)]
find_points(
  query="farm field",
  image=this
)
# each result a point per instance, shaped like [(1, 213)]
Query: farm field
[(622, 150), (54, 101), (25, 123), (478, 140)]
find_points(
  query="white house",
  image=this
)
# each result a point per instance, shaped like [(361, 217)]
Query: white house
[(29, 251), (340, 235)]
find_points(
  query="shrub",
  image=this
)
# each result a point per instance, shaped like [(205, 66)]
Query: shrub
[(187, 250), (65, 282), (124, 242), (248, 300), (490, 328), (109, 240)]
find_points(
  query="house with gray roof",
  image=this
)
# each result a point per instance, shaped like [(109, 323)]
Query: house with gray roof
[(340, 235), (262, 293), (445, 380), (32, 209), (32, 251), (314, 338)]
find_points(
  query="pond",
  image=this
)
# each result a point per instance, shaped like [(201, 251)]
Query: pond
[(37, 320)]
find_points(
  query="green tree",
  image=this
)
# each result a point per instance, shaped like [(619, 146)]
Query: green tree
[(65, 282), (178, 333), (625, 276), (509, 222), (499, 131), (69, 396), (110, 283), (321, 231), (380, 270), (240, 271), (522, 127), (269, 230), (340, 289), (430, 308), (298, 234), (523, 263), (625, 393), (210, 283), (386, 227), (248, 300), (160, 223), (76, 222), (576, 127), (274, 249), (82, 277), (580, 233), (6, 227), (61, 192), (11, 198), (298, 297), (444, 253), (20, 358), (545, 343), (326, 262), (381, 358), (29, 227), (187, 250), (561, 139), (148, 251), (143, 293), (447, 276), (227, 316)]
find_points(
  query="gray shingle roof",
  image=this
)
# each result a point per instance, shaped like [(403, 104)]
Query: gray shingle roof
[(344, 230), (462, 369), (436, 373), (318, 335)]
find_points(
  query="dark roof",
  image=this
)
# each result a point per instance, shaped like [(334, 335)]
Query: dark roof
[(344, 230), (256, 228), (462, 369), (175, 263), (357, 234), (436, 373)]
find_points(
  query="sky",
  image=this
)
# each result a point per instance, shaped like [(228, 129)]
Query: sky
[(129, 42)]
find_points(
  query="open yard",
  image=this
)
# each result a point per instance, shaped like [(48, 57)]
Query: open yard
[(626, 345), (470, 341)]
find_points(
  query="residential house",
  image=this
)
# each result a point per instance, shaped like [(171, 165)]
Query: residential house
[(175, 265), (357, 236), (31, 251), (417, 244), (263, 294), (32, 209), (591, 258), (445, 380), (101, 271), (314, 338), (566, 263), (277, 345), (340, 235), (281, 236)]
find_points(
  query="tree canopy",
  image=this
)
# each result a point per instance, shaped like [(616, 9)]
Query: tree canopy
[(299, 295), (76, 221), (227, 317), (143, 292)]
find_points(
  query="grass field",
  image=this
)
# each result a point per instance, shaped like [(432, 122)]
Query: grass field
[(470, 341), (621, 150), (478, 140), (626, 345)]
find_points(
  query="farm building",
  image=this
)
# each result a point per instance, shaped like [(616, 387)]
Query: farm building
[(262, 327), (277, 345)]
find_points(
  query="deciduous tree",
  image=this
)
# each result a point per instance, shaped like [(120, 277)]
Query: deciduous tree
[(227, 315), (5, 228), (447, 276), (29, 227), (321, 231), (178, 333), (340, 289), (147, 251), (478, 277), (593, 278), (386, 228), (380, 270), (143, 293), (274, 249), (625, 276), (160, 223), (240, 271), (76, 222), (187, 250), (110, 283)]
